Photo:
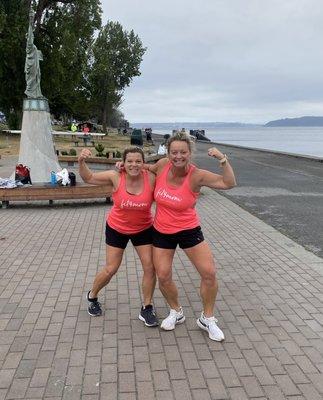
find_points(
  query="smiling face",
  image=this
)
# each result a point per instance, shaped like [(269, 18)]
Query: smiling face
[(179, 153), (133, 164)]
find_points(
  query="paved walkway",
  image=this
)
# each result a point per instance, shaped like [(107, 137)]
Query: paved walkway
[(270, 306)]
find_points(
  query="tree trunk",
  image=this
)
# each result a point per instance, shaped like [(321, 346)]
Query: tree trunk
[(104, 118)]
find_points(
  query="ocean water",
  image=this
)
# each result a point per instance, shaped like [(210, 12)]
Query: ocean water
[(297, 140)]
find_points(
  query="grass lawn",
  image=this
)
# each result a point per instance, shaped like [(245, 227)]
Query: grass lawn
[(9, 144)]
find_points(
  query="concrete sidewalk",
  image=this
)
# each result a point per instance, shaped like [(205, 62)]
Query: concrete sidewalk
[(270, 306)]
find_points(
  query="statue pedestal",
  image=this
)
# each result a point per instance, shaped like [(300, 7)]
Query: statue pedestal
[(36, 142)]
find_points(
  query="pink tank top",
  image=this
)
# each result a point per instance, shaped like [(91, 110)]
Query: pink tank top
[(131, 213), (175, 209)]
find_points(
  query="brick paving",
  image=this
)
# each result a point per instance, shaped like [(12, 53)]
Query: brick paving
[(270, 306)]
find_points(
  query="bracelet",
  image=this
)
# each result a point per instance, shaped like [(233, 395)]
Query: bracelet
[(223, 160)]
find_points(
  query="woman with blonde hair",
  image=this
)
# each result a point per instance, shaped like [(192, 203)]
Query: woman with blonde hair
[(178, 183)]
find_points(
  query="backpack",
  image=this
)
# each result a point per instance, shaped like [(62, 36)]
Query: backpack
[(22, 174)]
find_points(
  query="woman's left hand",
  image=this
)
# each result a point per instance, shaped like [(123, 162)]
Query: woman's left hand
[(119, 166), (214, 152)]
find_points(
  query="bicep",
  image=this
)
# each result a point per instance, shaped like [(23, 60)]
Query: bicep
[(212, 180), (160, 164), (103, 178)]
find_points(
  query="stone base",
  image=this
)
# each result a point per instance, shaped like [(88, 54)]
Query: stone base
[(39, 104), (36, 143)]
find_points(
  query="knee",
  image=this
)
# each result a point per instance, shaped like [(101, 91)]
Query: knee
[(109, 271), (209, 277), (149, 271), (164, 277)]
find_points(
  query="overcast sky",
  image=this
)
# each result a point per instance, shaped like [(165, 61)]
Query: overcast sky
[(224, 60)]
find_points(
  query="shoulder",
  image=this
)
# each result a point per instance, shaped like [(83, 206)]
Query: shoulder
[(197, 177), (161, 164), (112, 173), (114, 176), (196, 173)]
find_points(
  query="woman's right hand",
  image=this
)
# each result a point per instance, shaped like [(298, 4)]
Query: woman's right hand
[(85, 153)]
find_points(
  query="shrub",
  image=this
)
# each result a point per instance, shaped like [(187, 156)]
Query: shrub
[(100, 149), (3, 126), (64, 153), (118, 154), (73, 152)]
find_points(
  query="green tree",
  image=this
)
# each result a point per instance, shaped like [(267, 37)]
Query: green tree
[(116, 58), (64, 31), (13, 27), (65, 35), (2, 18)]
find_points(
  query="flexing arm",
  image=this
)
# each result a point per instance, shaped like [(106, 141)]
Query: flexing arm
[(157, 167), (95, 178), (215, 181)]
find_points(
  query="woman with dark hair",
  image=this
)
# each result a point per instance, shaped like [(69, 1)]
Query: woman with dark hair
[(129, 219), (178, 183)]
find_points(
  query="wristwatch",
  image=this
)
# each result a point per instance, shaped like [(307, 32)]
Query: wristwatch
[(223, 160)]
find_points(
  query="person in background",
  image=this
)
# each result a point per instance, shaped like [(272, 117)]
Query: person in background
[(73, 127), (86, 129), (178, 183), (129, 219)]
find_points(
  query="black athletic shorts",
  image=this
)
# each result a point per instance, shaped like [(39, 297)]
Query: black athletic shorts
[(120, 240), (185, 239)]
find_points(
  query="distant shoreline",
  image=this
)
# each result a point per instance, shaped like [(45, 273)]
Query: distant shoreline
[(302, 122), (294, 155)]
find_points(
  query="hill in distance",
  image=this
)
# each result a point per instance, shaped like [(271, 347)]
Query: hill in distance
[(302, 121), (285, 122)]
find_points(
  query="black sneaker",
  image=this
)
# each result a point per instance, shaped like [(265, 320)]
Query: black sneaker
[(148, 315), (94, 307)]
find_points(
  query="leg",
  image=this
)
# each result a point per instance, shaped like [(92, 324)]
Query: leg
[(202, 258), (113, 261), (163, 259), (149, 278), (147, 313)]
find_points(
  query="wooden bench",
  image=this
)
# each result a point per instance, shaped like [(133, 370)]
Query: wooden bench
[(51, 193)]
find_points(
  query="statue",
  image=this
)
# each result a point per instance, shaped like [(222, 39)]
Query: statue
[(32, 69), (36, 140)]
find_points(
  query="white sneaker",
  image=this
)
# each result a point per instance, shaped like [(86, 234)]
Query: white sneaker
[(209, 325), (174, 317)]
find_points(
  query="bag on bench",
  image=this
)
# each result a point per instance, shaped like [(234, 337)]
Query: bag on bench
[(22, 174), (72, 178)]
